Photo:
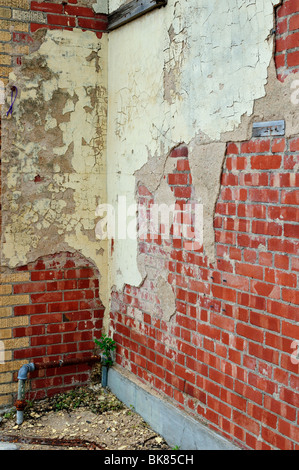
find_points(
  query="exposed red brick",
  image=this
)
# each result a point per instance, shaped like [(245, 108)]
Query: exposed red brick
[(294, 145), (256, 146), (61, 20), (98, 25), (293, 59), (294, 22), (266, 162), (47, 7), (288, 7), (79, 11), (179, 152), (35, 26), (291, 231)]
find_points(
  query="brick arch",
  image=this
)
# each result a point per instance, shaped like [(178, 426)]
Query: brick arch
[(55, 313)]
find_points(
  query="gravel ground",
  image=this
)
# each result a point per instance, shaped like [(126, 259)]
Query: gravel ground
[(87, 418)]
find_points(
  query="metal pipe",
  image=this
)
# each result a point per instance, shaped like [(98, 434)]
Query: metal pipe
[(67, 362), (30, 367), (20, 403)]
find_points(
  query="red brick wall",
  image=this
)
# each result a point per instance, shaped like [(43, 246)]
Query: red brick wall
[(65, 315), (69, 16), (287, 38), (226, 354)]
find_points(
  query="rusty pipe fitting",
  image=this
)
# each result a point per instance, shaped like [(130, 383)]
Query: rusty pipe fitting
[(20, 405), (30, 367)]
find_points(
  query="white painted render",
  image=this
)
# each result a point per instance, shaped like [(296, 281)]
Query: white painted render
[(64, 141), (191, 68)]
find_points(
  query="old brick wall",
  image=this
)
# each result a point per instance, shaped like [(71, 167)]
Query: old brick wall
[(226, 354), (49, 309), (20, 18), (287, 38)]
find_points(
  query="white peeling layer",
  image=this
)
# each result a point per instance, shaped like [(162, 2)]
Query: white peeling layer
[(187, 68), (59, 212)]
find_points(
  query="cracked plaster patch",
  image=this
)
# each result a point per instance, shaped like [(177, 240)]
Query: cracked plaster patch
[(54, 150), (202, 81), (187, 73)]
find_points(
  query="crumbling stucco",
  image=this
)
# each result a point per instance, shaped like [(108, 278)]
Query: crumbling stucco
[(101, 6), (206, 162), (198, 73), (115, 4), (54, 151), (279, 102), (190, 72)]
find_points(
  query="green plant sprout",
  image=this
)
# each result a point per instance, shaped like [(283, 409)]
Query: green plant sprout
[(107, 345)]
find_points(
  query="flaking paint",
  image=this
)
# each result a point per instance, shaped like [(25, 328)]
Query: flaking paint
[(54, 151), (188, 73)]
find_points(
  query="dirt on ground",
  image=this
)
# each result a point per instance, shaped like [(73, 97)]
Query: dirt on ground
[(86, 418)]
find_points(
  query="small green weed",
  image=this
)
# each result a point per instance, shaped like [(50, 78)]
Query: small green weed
[(107, 345)]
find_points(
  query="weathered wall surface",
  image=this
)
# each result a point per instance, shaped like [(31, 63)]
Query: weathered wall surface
[(226, 352), (57, 138), (213, 328), (186, 73), (53, 162), (50, 310)]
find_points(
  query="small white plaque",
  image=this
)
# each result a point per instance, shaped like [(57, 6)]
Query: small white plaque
[(267, 129)]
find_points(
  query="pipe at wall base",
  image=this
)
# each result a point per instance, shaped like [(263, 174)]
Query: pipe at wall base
[(104, 376), (30, 367), (22, 377), (20, 416)]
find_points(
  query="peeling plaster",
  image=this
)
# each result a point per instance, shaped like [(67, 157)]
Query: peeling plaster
[(166, 297), (278, 103), (206, 162), (54, 151), (191, 72), (101, 6), (198, 74)]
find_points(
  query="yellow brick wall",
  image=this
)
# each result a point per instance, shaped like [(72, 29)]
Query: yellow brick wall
[(8, 321), (5, 36), (5, 12), (7, 27), (23, 4), (9, 51)]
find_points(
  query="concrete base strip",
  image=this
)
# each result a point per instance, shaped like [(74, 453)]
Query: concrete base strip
[(177, 428), (7, 446)]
